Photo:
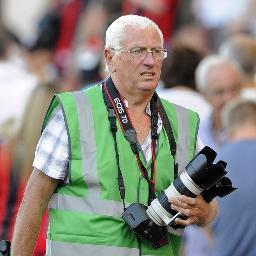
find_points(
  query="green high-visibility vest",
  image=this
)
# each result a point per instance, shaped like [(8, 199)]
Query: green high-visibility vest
[(85, 215)]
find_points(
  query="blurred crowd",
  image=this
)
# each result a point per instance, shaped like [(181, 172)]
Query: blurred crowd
[(210, 68)]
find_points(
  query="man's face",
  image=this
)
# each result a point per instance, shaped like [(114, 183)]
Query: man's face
[(224, 84), (137, 75)]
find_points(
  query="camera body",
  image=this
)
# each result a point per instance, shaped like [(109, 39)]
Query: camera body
[(140, 223), (200, 176)]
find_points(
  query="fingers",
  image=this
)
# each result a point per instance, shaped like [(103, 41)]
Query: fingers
[(183, 201), (187, 221), (189, 207), (185, 211), (196, 210)]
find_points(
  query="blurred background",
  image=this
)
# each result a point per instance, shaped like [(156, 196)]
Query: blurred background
[(51, 46)]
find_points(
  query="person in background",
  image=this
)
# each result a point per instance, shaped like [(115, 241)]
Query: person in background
[(219, 80), (16, 85), (162, 12), (76, 161), (241, 48), (84, 62), (21, 145), (192, 36), (221, 19), (178, 77), (233, 231)]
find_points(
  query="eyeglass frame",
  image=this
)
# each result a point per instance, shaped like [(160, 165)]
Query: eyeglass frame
[(144, 52)]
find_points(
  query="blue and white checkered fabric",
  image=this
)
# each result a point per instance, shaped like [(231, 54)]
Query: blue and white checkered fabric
[(52, 152)]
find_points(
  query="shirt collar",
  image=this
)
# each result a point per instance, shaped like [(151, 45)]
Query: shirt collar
[(148, 110)]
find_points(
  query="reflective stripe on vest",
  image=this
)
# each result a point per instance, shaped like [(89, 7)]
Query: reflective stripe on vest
[(93, 203), (182, 151), (68, 249)]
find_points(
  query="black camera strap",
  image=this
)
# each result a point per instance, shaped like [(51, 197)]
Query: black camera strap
[(117, 109)]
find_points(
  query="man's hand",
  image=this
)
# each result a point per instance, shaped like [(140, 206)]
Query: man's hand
[(197, 210)]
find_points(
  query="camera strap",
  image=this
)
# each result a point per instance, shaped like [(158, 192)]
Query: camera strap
[(117, 109)]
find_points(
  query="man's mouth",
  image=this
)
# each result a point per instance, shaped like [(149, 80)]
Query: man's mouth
[(148, 74)]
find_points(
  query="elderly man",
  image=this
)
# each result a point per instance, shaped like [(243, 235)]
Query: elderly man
[(219, 80), (107, 147)]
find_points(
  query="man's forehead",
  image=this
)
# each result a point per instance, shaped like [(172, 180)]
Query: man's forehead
[(137, 36), (223, 76), (223, 70)]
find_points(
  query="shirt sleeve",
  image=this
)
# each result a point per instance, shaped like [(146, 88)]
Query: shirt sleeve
[(52, 151)]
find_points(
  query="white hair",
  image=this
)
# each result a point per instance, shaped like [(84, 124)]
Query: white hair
[(116, 31), (209, 62)]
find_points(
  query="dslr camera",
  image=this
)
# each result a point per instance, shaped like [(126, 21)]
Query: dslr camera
[(201, 176)]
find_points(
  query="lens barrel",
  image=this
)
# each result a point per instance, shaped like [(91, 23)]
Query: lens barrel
[(199, 174)]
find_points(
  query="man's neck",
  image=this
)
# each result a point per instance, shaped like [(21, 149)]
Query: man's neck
[(136, 101), (216, 122), (245, 132)]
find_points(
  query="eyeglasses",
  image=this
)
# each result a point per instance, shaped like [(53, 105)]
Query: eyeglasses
[(141, 53)]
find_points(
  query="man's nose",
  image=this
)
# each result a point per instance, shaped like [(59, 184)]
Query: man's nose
[(149, 59)]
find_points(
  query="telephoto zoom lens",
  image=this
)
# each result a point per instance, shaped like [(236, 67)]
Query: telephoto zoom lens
[(199, 174)]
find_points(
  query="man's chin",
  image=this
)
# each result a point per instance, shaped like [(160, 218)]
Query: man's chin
[(148, 83)]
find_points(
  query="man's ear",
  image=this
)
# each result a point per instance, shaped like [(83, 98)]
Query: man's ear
[(109, 58)]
